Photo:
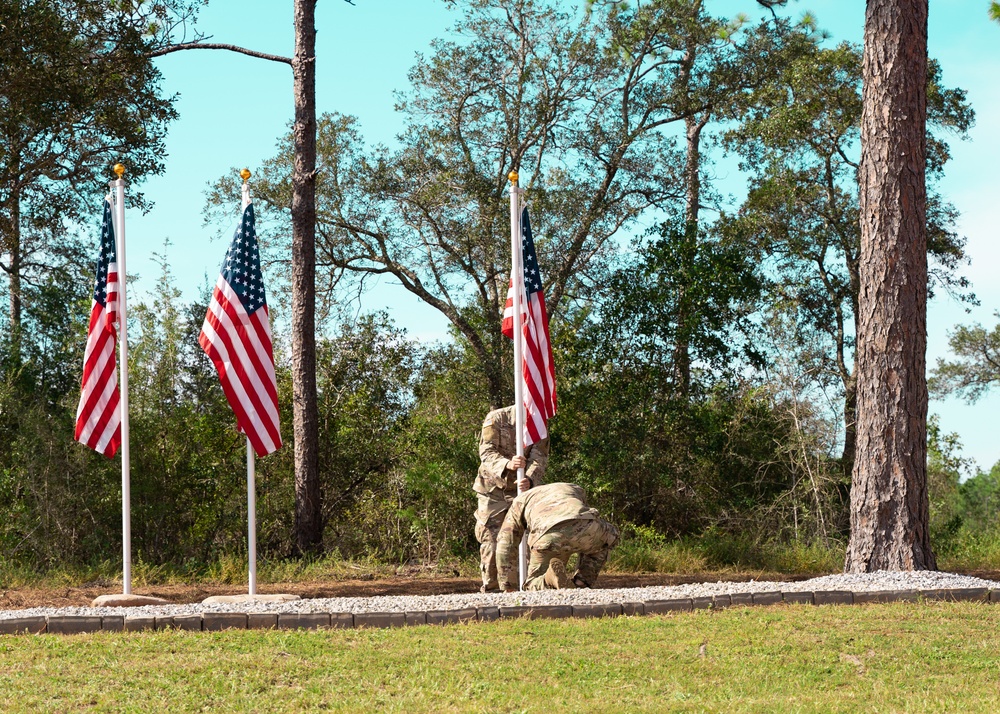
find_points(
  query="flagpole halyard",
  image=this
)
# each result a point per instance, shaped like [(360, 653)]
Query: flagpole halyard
[(119, 187)]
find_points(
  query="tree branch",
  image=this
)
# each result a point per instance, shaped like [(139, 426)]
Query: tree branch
[(217, 46)]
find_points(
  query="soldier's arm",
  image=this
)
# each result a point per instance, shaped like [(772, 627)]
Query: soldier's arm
[(538, 459)]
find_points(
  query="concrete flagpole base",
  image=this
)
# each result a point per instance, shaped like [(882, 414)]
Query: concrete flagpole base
[(129, 600), (258, 597)]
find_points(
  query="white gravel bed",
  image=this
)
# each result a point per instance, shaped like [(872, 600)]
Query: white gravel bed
[(870, 582)]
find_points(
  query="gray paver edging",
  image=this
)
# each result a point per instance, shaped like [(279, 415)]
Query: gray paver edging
[(217, 621)]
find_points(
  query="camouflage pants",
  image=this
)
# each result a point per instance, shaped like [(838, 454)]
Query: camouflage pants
[(486, 534), (592, 538)]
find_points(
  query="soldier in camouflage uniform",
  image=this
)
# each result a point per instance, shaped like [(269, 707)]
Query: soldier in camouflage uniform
[(559, 523), (496, 483)]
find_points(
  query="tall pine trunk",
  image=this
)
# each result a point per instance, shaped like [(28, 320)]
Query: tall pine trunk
[(692, 204), (14, 280), (889, 503), (305, 414)]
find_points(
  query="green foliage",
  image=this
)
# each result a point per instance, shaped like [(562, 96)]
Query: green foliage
[(742, 553), (644, 549), (684, 288), (364, 377), (42, 476), (981, 501), (423, 511), (976, 370), (652, 459), (965, 511), (76, 87), (945, 468), (995, 10)]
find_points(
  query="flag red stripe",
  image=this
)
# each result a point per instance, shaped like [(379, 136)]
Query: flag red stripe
[(102, 407)]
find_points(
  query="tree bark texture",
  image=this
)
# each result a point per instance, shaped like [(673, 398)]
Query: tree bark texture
[(889, 502), (305, 416)]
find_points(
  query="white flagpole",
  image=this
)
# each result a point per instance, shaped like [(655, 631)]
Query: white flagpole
[(119, 187), (251, 459), (252, 516), (517, 275)]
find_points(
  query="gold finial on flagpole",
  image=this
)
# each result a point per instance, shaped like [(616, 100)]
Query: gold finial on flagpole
[(245, 175), (513, 177), (119, 169)]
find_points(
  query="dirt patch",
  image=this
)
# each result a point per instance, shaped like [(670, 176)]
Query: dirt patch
[(397, 585)]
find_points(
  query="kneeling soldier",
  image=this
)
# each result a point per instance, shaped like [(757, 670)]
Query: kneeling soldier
[(559, 523)]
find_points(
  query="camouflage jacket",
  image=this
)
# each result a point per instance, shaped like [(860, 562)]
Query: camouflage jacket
[(541, 508), (497, 447)]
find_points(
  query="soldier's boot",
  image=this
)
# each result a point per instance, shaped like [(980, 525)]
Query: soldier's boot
[(556, 577)]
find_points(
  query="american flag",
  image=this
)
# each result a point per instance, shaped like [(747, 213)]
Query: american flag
[(538, 370), (236, 335), (98, 417)]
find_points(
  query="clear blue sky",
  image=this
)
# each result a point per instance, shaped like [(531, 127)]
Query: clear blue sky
[(233, 109)]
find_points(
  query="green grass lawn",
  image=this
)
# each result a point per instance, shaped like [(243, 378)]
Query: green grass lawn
[(928, 657)]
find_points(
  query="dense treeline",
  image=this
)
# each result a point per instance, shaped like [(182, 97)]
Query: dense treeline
[(704, 350), (746, 458)]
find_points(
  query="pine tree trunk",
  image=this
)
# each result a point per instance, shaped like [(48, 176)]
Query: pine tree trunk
[(889, 504), (14, 250), (692, 206), (305, 417), (847, 456)]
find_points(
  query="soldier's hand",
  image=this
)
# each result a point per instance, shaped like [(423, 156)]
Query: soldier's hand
[(524, 484), (517, 462)]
